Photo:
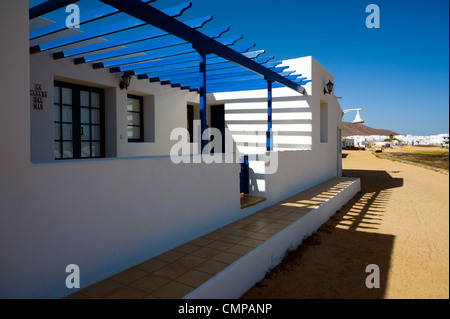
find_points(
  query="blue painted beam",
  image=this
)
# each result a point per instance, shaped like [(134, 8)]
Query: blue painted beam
[(266, 59), (270, 64), (191, 65), (129, 39), (186, 69), (178, 76), (228, 68), (230, 75), (217, 73), (48, 6), (164, 44), (304, 82), (253, 76), (259, 84), (287, 73), (291, 78), (215, 65), (236, 89), (176, 62), (212, 71), (86, 17), (228, 80), (163, 63), (201, 42), (300, 79), (109, 29), (178, 51), (227, 73), (189, 71)]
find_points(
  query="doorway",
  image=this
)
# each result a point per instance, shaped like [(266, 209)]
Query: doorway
[(218, 122)]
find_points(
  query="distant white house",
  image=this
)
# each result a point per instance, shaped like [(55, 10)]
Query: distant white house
[(353, 142), (362, 141), (378, 140), (86, 171), (439, 139)]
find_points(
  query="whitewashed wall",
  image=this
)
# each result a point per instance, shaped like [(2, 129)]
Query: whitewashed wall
[(303, 158), (108, 214), (104, 214), (165, 108), (246, 118)]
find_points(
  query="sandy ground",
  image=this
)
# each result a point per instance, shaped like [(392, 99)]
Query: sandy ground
[(399, 221)]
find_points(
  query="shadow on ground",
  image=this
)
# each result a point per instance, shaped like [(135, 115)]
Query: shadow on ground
[(331, 264)]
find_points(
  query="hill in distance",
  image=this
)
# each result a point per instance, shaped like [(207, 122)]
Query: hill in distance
[(350, 129)]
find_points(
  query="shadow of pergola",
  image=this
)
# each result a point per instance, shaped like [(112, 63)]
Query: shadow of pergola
[(331, 264)]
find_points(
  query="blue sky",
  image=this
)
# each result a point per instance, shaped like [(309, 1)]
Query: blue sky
[(398, 74)]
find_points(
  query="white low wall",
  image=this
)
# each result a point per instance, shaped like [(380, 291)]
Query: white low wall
[(235, 280), (297, 171), (106, 216), (290, 172)]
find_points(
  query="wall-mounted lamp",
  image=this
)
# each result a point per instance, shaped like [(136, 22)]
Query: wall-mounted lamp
[(125, 82), (328, 88)]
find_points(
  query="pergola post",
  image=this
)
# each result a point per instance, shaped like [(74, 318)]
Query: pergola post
[(203, 100), (269, 140)]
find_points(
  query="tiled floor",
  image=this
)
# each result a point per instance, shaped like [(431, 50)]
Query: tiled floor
[(179, 271)]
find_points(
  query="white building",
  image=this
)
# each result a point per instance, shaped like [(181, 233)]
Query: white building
[(87, 175), (439, 139), (382, 140), (350, 142), (364, 141)]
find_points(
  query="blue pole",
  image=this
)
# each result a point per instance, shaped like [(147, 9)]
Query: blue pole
[(269, 142), (203, 102)]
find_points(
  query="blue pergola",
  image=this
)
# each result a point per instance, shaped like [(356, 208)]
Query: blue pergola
[(153, 44)]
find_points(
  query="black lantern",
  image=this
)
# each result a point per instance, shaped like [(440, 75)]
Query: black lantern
[(328, 88), (125, 82)]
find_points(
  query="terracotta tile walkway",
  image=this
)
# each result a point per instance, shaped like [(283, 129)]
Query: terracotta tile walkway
[(179, 271)]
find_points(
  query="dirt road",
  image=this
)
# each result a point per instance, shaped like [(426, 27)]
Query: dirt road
[(399, 222)]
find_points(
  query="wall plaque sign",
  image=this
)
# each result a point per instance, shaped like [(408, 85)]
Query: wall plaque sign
[(38, 96)]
